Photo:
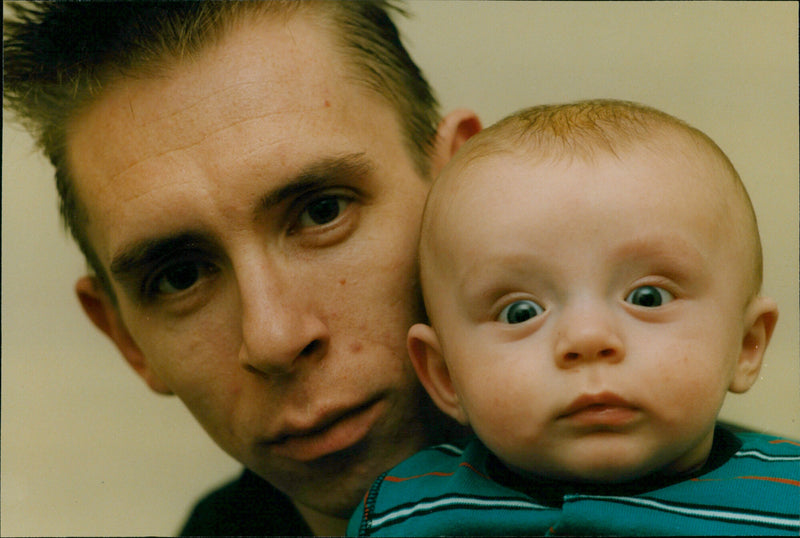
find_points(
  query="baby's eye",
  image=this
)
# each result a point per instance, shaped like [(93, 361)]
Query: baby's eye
[(649, 296), (322, 211), (520, 311)]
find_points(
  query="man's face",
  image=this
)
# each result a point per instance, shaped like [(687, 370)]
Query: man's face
[(258, 216), (591, 314)]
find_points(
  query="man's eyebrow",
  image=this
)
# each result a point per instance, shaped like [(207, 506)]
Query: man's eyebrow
[(325, 171), (137, 257)]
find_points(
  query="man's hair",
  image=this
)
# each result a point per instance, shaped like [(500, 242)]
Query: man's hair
[(585, 129), (60, 55)]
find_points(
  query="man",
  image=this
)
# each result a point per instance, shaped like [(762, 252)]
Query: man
[(246, 180)]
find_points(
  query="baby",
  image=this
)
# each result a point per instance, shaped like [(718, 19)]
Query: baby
[(592, 276)]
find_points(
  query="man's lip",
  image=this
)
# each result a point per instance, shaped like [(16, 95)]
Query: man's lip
[(334, 432), (600, 409)]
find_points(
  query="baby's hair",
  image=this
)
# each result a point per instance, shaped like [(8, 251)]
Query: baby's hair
[(580, 130), (586, 129)]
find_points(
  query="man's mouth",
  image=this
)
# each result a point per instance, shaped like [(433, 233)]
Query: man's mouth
[(334, 432), (603, 409)]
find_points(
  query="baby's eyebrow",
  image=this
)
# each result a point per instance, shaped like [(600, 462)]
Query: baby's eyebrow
[(666, 246), (481, 281)]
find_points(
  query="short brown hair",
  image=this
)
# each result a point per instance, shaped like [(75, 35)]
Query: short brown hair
[(59, 55)]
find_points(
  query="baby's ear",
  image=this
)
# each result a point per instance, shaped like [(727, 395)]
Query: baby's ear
[(426, 356), (760, 319)]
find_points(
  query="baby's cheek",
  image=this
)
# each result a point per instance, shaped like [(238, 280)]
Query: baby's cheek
[(498, 418), (692, 388)]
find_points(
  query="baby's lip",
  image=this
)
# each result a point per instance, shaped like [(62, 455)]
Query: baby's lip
[(599, 401)]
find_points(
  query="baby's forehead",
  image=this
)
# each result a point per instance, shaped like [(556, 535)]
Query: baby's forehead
[(660, 173), (673, 169), (662, 164), (663, 145)]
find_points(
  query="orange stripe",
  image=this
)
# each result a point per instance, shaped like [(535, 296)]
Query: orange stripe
[(473, 469), (772, 479), (389, 478), (404, 478), (767, 478), (776, 441)]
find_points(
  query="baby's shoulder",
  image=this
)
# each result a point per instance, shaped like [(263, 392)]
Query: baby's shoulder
[(433, 462), (767, 458), (755, 444)]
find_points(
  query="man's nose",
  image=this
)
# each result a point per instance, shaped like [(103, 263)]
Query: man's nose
[(588, 332), (280, 328)]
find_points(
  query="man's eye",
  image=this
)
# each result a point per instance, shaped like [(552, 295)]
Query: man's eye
[(178, 277), (519, 312), (649, 296), (322, 211)]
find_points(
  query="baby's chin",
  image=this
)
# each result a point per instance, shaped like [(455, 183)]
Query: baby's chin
[(607, 473), (613, 460)]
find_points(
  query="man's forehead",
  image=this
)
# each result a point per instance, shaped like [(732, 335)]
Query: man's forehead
[(261, 66), (264, 68), (274, 83)]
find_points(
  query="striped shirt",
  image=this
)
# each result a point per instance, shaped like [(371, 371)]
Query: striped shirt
[(750, 485)]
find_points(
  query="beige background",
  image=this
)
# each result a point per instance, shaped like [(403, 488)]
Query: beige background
[(87, 450)]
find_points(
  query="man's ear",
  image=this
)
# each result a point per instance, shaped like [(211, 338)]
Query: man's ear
[(97, 305), (454, 129), (426, 356), (760, 319)]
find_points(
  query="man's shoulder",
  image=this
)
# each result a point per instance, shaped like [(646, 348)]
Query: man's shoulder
[(245, 506)]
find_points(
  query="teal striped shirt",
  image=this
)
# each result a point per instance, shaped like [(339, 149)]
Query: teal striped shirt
[(750, 485)]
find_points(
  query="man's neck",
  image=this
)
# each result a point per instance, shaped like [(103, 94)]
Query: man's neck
[(322, 524)]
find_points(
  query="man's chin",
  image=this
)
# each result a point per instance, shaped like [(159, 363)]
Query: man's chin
[(336, 498), (332, 485), (341, 507)]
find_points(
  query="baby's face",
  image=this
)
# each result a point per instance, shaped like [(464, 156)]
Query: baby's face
[(592, 315)]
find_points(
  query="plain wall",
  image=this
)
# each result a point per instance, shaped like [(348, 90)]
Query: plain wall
[(87, 450)]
